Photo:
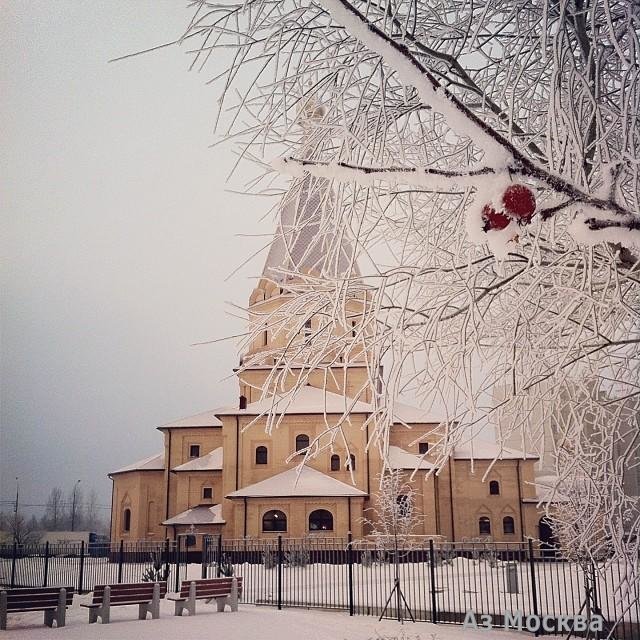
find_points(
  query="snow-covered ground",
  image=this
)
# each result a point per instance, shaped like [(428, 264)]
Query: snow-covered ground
[(263, 623)]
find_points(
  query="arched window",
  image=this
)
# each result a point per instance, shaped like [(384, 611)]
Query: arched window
[(508, 525), (302, 442), (335, 462), (484, 526), (126, 520), (320, 520), (494, 488), (351, 463), (274, 521), (262, 455)]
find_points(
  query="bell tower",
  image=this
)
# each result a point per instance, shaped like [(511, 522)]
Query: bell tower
[(292, 302)]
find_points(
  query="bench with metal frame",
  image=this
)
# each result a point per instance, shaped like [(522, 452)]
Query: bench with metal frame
[(145, 594), (223, 590), (52, 600)]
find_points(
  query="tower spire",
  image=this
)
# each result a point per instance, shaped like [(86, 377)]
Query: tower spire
[(306, 238)]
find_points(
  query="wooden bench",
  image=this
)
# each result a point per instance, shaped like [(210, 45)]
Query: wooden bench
[(223, 590), (52, 600), (145, 594)]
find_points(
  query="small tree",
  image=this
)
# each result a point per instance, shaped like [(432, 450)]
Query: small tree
[(393, 517), (392, 523), (21, 530), (54, 513), (158, 571)]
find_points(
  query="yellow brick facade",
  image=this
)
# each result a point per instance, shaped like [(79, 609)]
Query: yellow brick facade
[(450, 503)]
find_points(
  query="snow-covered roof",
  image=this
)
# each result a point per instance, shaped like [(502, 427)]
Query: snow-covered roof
[(204, 419), (401, 459), (305, 239), (548, 489), (202, 514), (414, 415), (152, 463), (211, 461), (307, 399), (305, 482), (478, 449)]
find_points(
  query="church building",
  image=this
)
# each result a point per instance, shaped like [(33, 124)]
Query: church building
[(222, 471)]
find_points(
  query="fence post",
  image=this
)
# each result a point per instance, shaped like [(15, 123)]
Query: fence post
[(219, 557), (120, 560), (350, 570), (432, 572), (166, 559), (46, 564), (81, 572), (203, 562), (279, 572), (534, 587), (13, 564), (177, 564)]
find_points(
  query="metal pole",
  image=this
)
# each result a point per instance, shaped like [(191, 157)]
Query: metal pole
[(166, 559), (203, 562), (120, 561), (279, 572), (13, 564), (73, 506), (432, 571), (350, 570), (534, 587), (81, 572), (46, 564), (219, 557), (178, 564)]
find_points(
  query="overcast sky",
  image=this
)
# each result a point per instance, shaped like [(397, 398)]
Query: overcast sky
[(116, 238)]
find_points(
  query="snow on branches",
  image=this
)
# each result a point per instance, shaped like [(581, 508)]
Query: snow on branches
[(419, 118)]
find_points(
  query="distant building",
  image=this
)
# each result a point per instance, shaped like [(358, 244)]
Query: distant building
[(213, 476)]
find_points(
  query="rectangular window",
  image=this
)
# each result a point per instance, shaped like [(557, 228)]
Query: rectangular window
[(423, 447), (207, 493), (194, 451)]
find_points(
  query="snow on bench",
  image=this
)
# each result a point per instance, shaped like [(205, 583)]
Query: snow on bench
[(52, 600), (145, 594), (224, 590)]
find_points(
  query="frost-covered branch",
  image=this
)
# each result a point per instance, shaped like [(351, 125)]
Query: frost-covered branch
[(468, 182)]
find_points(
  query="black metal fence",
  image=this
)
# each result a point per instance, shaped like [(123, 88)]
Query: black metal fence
[(83, 566), (439, 582)]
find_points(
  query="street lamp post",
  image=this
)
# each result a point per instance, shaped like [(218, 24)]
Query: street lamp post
[(73, 505)]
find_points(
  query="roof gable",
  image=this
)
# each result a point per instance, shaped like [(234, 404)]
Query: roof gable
[(202, 514), (307, 399), (298, 482), (211, 461), (204, 419), (152, 463)]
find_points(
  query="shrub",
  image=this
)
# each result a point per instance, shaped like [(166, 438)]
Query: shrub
[(226, 568), (156, 572), (296, 558), (269, 559)]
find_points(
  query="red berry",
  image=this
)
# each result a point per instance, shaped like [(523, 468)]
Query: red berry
[(519, 202), (493, 219)]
